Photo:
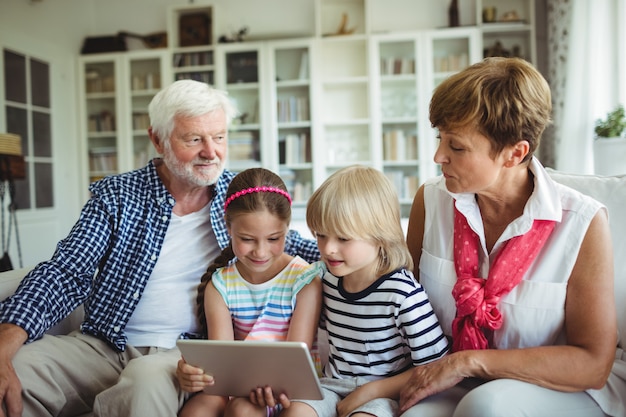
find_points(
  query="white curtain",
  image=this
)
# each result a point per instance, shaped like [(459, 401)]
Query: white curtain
[(589, 76)]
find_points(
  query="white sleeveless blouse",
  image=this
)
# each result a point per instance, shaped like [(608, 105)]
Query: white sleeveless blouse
[(534, 311)]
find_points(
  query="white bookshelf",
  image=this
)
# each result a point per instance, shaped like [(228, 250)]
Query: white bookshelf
[(115, 91), (316, 103)]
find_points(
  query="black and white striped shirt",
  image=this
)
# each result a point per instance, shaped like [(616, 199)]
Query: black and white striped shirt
[(382, 330)]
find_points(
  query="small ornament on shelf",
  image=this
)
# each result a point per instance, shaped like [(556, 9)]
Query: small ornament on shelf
[(453, 14)]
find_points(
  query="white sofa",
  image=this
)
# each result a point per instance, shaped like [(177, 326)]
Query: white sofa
[(609, 190)]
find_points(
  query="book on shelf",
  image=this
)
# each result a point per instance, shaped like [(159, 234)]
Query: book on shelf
[(397, 66), (399, 145), (293, 109), (191, 59), (103, 159), (101, 122), (241, 146), (303, 72), (406, 185), (295, 148), (299, 190), (145, 154), (141, 121), (147, 81), (99, 83)]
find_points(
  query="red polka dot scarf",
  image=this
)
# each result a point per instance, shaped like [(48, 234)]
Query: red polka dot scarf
[(477, 314)]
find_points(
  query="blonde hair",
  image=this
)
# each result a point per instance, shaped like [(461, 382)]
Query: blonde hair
[(506, 99), (359, 202)]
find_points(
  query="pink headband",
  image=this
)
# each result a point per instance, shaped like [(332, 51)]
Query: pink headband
[(251, 190)]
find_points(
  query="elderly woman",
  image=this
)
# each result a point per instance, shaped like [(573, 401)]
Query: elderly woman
[(518, 268)]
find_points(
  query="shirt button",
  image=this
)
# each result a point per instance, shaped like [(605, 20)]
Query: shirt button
[(164, 218), (153, 257), (136, 295), (171, 200), (116, 329)]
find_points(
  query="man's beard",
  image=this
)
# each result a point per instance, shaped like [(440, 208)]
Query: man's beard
[(186, 170)]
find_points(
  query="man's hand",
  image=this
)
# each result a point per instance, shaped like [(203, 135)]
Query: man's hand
[(191, 378), (12, 337), (11, 390)]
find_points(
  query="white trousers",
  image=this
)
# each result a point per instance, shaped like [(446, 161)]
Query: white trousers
[(506, 398)]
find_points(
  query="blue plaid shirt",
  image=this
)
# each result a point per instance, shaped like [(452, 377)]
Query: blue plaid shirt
[(108, 257)]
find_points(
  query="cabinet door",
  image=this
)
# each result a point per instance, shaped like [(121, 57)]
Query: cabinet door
[(191, 34), (291, 116), (447, 51), (397, 113), (241, 74), (100, 116), (115, 92), (342, 103), (146, 73)]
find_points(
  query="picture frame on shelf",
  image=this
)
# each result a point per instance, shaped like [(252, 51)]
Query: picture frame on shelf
[(194, 29)]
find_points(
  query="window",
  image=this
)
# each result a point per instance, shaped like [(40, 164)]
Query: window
[(28, 114)]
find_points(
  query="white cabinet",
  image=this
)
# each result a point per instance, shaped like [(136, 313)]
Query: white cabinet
[(508, 27), (405, 70), (356, 92), (291, 115), (191, 34), (242, 72), (342, 103), (114, 95)]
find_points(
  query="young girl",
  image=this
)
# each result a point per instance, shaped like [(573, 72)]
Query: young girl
[(265, 295), (377, 317)]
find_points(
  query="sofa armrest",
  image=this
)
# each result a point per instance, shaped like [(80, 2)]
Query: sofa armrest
[(9, 280)]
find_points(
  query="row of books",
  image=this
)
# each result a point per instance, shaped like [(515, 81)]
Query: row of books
[(393, 65), (204, 76), (98, 83), (451, 62), (399, 145), (299, 189), (242, 146), (294, 148), (192, 59), (143, 155), (293, 109), (147, 81), (103, 159), (101, 122), (406, 185), (141, 121)]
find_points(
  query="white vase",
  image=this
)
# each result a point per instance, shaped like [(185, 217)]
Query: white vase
[(609, 156)]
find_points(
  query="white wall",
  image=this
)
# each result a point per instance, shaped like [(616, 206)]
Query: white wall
[(50, 31)]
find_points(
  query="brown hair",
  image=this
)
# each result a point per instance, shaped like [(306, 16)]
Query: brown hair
[(506, 99), (244, 203)]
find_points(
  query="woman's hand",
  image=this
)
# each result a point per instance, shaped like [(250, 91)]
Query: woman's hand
[(191, 378), (429, 379)]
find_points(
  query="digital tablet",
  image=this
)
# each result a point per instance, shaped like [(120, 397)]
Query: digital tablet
[(240, 366)]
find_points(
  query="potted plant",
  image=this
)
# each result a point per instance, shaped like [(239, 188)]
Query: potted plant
[(609, 146)]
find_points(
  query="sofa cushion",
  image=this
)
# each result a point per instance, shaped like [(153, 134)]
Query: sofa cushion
[(610, 191)]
